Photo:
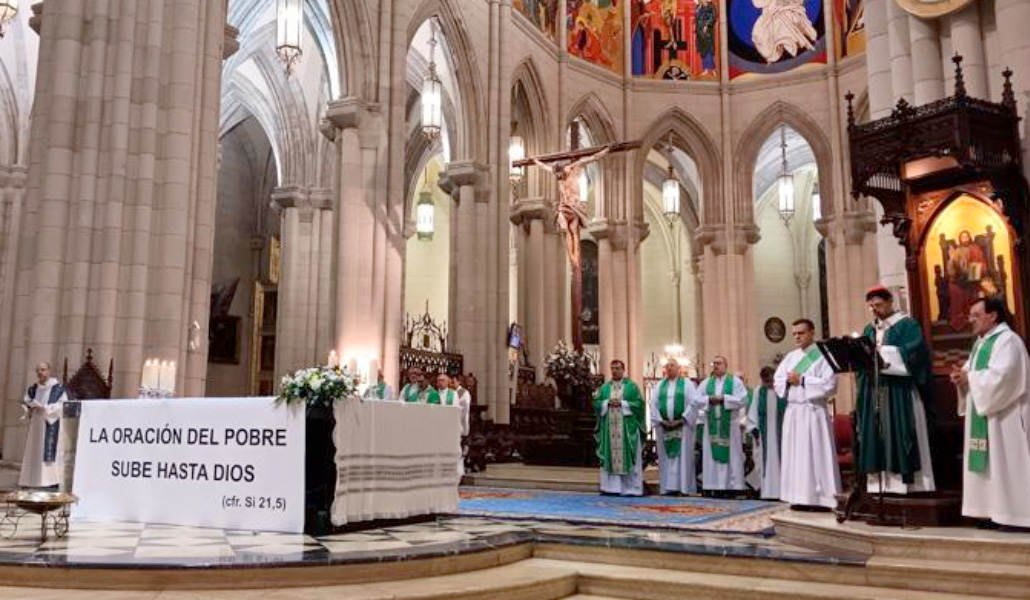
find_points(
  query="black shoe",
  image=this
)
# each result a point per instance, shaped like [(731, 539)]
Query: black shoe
[(1012, 529), (986, 524)]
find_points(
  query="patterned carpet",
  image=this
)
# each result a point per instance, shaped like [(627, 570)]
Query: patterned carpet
[(689, 513)]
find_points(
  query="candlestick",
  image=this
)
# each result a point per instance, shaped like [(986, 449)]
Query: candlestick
[(170, 383), (352, 366), (334, 359), (150, 374)]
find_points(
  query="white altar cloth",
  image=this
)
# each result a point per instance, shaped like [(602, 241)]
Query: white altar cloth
[(395, 460)]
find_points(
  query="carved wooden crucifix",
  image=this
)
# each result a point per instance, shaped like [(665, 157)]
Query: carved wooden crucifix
[(570, 213)]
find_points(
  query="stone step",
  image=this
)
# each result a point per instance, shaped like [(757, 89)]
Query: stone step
[(618, 581), (954, 544), (1003, 581), (526, 484)]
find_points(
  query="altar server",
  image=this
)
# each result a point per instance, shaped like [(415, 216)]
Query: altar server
[(720, 396), (765, 422), (674, 416), (619, 434), (994, 395), (809, 475), (42, 465)]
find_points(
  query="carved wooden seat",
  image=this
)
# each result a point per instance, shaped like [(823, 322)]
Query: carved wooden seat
[(88, 383)]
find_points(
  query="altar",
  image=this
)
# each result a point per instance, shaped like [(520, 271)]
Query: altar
[(247, 463)]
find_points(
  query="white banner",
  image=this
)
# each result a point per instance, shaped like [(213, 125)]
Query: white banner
[(234, 463)]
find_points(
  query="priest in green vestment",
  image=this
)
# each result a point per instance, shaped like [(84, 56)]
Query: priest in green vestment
[(619, 433), (765, 422), (892, 425), (417, 390)]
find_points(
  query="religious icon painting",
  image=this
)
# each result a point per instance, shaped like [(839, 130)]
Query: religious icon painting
[(675, 39), (774, 36), (849, 27), (775, 329), (966, 255), (595, 32), (541, 13)]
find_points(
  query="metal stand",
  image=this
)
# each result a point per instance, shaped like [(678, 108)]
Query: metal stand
[(51, 518)]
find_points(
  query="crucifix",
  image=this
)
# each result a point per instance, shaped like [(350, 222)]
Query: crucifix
[(570, 213)]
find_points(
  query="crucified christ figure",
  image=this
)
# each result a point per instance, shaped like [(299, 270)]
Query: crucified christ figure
[(570, 214)]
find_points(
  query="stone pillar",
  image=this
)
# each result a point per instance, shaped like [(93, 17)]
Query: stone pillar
[(927, 66), (728, 301), (115, 249), (967, 40), (901, 52), (1013, 21), (878, 63), (368, 243), (541, 272), (12, 197), (618, 246), (303, 336), (851, 268)]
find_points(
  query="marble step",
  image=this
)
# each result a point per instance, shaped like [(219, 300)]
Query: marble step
[(618, 581), (962, 545), (526, 484), (999, 580)]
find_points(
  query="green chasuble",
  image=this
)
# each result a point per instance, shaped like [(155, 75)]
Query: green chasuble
[(674, 437), (887, 437), (719, 421), (763, 419), (411, 393), (632, 428)]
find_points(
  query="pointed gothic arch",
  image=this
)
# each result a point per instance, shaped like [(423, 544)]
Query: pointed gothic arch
[(355, 48), (746, 155), (592, 111), (530, 109)]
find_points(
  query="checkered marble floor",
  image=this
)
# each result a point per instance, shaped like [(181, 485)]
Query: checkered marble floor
[(152, 545)]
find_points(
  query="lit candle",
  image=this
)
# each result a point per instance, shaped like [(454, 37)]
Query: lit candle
[(149, 379), (170, 382), (352, 366), (334, 359)]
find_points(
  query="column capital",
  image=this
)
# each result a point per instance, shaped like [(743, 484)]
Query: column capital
[(854, 225), (306, 200), (349, 112), (231, 44), (620, 234), (459, 174), (530, 209), (13, 176), (728, 239)]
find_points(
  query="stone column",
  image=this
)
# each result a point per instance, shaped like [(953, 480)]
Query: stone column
[(618, 246), (368, 243), (115, 249), (851, 268), (303, 336), (541, 271), (728, 303), (1013, 21), (878, 63), (967, 39), (901, 52), (927, 66), (12, 197)]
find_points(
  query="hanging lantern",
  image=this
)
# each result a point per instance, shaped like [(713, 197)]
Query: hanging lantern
[(8, 11), (425, 212), (785, 181), (289, 24), (432, 94), (516, 152), (817, 202), (584, 187), (671, 195)]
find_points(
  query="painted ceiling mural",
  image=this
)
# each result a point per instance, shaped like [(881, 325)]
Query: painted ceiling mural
[(849, 27), (774, 36), (595, 32), (542, 13), (675, 39)]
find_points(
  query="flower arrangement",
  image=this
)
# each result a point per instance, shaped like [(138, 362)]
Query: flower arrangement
[(568, 368), (317, 386)]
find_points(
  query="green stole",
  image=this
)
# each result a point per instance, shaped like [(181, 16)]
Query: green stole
[(629, 427), (763, 411), (719, 422), (448, 397), (813, 354), (380, 388), (411, 393), (674, 438), (978, 447)]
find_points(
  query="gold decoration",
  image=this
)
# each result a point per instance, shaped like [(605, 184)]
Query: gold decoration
[(930, 9)]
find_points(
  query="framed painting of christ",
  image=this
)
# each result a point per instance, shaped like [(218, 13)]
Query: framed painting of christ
[(967, 255)]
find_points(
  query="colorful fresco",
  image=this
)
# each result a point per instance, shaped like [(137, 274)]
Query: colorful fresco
[(675, 39), (967, 255), (774, 36), (595, 32), (542, 13), (849, 27)]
